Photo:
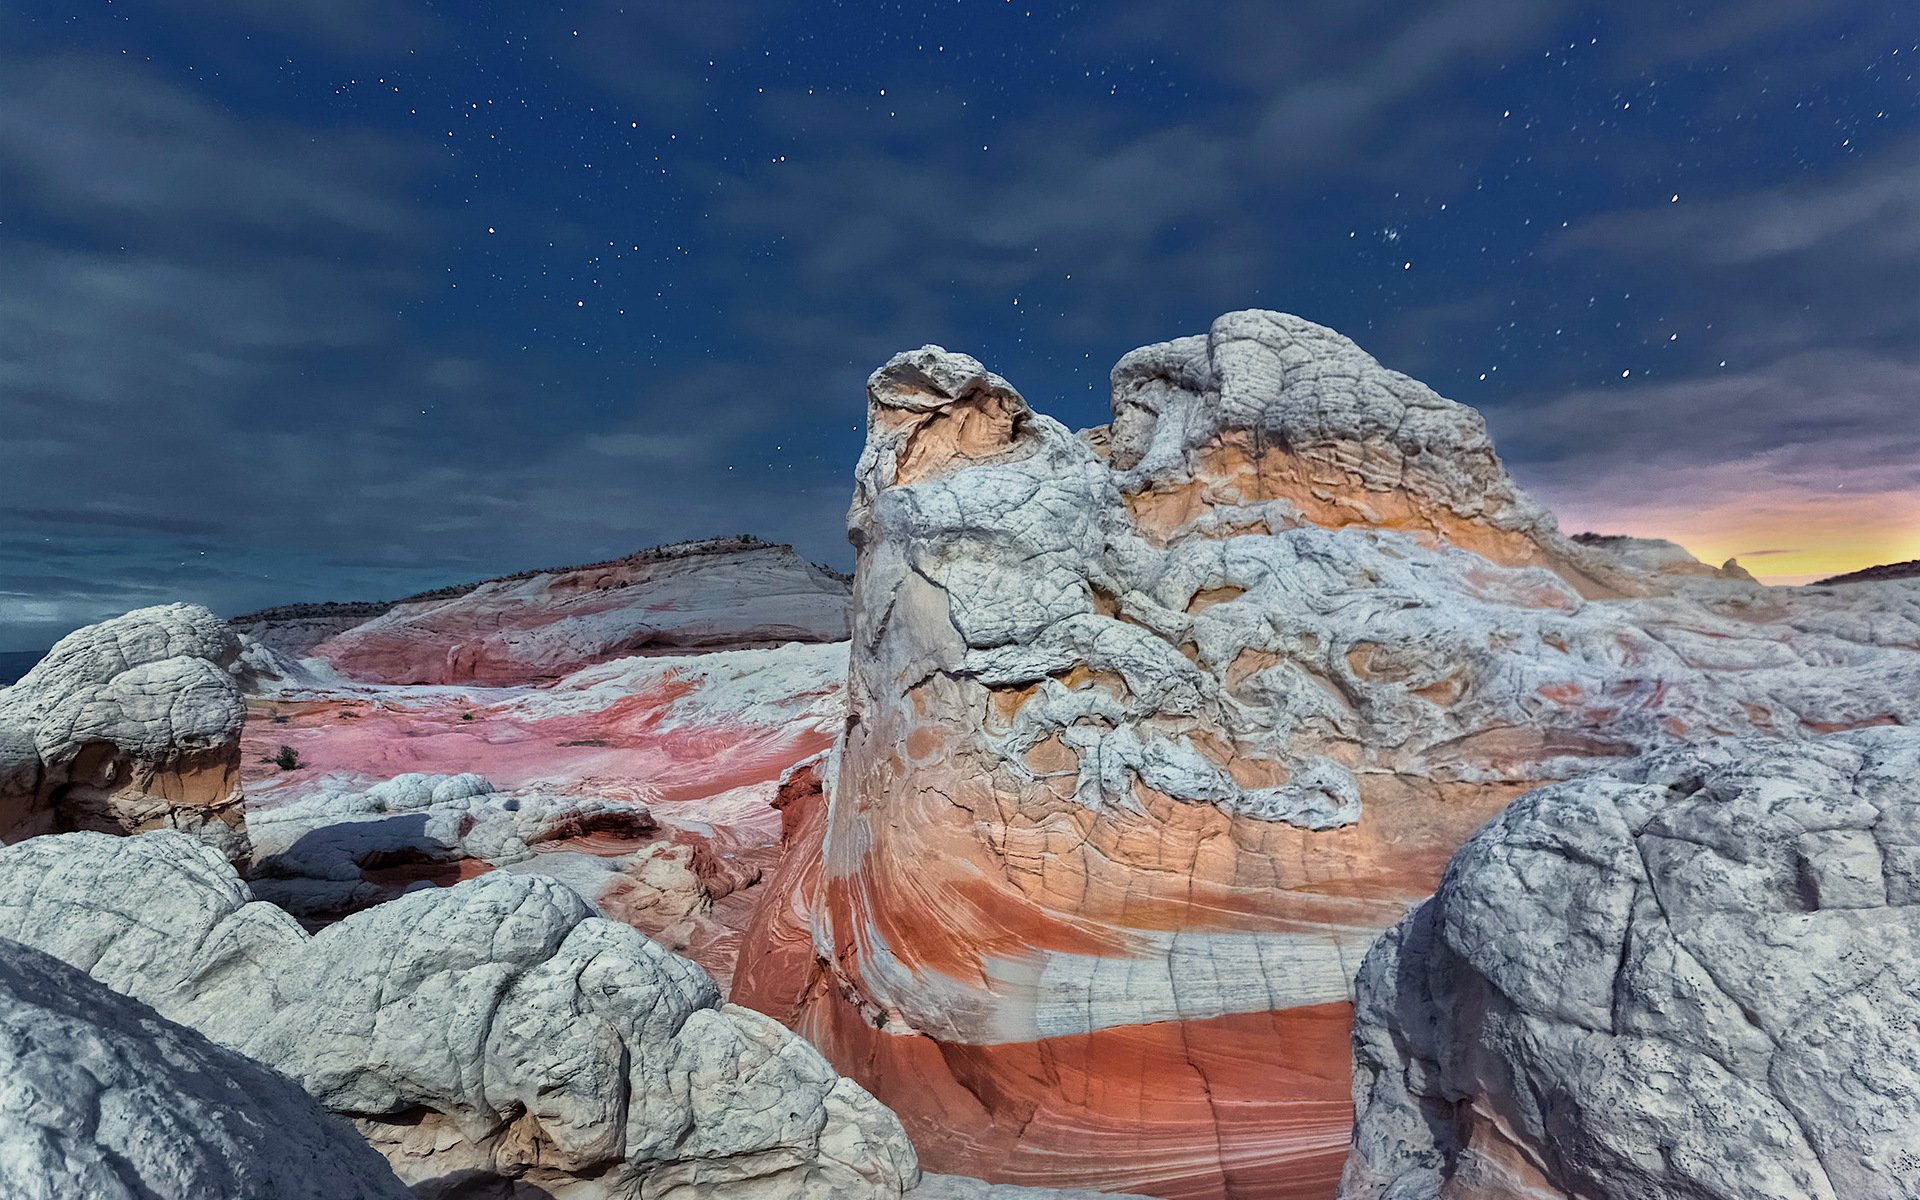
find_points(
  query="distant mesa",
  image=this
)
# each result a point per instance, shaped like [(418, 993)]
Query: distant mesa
[(130, 725), (714, 594), (1886, 571)]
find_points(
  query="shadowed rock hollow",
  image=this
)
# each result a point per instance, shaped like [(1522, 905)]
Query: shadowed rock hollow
[(1152, 729)]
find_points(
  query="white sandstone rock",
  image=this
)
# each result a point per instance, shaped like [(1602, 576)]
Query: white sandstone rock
[(101, 1098), (125, 726), (1694, 977), (495, 1030)]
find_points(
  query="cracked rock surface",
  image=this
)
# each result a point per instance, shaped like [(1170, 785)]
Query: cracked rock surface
[(487, 1035), (100, 1097), (129, 725), (1153, 728), (1692, 977)]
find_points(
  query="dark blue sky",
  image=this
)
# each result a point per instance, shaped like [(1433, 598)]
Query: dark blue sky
[(338, 299)]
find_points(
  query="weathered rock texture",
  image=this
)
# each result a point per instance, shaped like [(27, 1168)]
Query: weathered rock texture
[(129, 725), (644, 784), (1694, 977), (724, 593), (490, 1032), (1153, 729), (102, 1098)]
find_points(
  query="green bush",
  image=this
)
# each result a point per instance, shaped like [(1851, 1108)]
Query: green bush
[(288, 759)]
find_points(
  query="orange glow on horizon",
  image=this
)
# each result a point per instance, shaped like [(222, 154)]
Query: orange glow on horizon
[(1789, 536)]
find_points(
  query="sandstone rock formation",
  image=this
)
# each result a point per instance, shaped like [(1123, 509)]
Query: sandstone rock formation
[(723, 593), (125, 726), (1693, 977), (485, 1034), (1151, 730), (101, 1098)]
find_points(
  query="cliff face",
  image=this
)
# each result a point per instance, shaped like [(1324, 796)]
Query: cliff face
[(725, 593), (1151, 730)]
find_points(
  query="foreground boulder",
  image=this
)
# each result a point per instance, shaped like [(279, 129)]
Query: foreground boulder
[(129, 725), (1694, 977), (483, 1035), (718, 594), (102, 1098), (1152, 729)]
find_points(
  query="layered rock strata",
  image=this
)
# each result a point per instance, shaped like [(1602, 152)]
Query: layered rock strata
[(484, 1036), (100, 1097), (720, 594), (126, 726), (1151, 730), (1694, 977)]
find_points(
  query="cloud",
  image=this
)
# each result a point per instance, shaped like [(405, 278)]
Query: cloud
[(1819, 262), (96, 144), (1812, 453)]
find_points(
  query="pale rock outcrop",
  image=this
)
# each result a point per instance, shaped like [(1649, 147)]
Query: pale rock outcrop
[(485, 1035), (311, 856), (1152, 730), (1693, 977), (718, 594), (129, 725), (102, 1098)]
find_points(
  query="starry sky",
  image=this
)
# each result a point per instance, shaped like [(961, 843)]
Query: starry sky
[(342, 299)]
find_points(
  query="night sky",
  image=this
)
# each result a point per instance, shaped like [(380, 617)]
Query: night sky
[(341, 299)]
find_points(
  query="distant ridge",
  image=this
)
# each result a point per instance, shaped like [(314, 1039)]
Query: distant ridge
[(1900, 570), (364, 610)]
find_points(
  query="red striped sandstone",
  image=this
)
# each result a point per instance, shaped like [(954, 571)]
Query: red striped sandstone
[(1152, 729)]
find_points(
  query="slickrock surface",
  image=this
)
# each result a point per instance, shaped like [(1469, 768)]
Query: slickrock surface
[(491, 1031), (102, 1098), (1694, 977), (724, 593), (690, 749), (345, 849), (125, 726), (1153, 729)]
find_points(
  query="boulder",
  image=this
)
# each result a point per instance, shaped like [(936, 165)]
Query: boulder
[(101, 1097), (1152, 730), (487, 1036), (1692, 977), (126, 726)]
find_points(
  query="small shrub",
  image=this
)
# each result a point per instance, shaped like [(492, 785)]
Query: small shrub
[(288, 759), (466, 716)]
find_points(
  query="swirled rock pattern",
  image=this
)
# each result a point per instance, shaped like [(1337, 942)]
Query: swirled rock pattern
[(1694, 977), (1152, 729), (129, 725), (487, 1034), (102, 1098)]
